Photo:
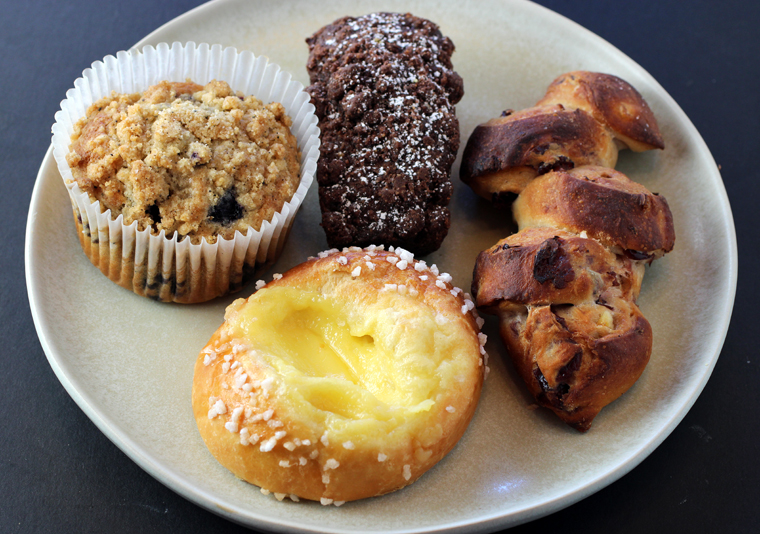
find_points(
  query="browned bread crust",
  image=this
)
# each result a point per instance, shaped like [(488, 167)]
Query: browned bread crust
[(542, 266), (503, 155), (565, 286), (568, 318), (584, 119), (613, 102), (605, 204), (572, 370)]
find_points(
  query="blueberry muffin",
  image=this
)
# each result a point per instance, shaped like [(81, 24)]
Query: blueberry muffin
[(180, 157)]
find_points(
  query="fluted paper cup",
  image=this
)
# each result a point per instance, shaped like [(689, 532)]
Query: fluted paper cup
[(172, 268)]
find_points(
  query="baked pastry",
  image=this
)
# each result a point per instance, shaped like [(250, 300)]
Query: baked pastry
[(565, 285), (384, 92), (606, 204), (180, 157), (503, 155), (347, 377), (584, 119), (613, 102), (180, 193), (567, 314)]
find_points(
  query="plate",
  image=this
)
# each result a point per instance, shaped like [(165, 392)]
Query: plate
[(127, 361)]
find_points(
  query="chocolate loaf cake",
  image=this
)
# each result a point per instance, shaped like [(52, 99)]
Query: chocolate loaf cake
[(384, 92)]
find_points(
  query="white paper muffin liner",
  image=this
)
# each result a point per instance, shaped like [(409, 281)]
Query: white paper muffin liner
[(170, 269)]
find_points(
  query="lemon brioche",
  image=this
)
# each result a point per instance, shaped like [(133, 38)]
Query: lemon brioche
[(347, 377)]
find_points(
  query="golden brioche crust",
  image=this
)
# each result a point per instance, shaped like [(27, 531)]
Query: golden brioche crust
[(613, 102), (329, 429), (568, 318), (604, 203)]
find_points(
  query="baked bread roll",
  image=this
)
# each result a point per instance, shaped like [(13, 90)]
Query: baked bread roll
[(503, 155), (613, 102), (347, 377), (567, 314), (584, 119), (603, 202), (565, 286)]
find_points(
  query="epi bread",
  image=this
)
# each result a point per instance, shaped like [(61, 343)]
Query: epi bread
[(565, 286), (347, 377), (584, 119), (504, 154)]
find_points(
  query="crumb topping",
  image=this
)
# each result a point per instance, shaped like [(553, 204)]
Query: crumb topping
[(180, 157), (385, 90)]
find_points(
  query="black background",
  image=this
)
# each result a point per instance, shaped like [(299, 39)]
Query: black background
[(60, 474)]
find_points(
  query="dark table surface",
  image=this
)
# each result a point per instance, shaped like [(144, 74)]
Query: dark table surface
[(61, 474)]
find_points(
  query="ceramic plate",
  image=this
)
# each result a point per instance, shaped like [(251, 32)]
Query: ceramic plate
[(128, 361)]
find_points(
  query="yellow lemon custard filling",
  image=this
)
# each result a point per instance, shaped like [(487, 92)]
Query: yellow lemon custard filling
[(347, 377)]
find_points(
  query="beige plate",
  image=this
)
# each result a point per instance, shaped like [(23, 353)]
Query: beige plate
[(127, 361)]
